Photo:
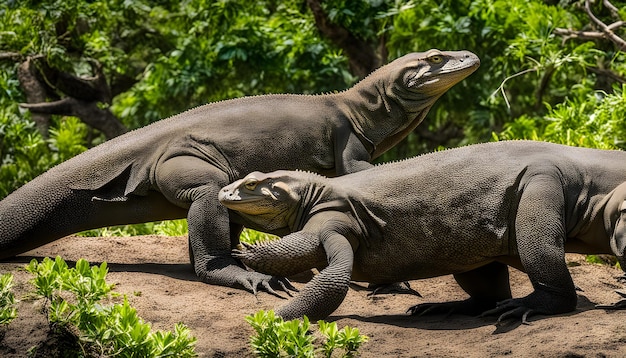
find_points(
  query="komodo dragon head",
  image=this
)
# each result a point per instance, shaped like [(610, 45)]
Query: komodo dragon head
[(271, 200), (284, 198), (401, 93)]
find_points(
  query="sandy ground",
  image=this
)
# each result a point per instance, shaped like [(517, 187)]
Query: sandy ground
[(155, 274)]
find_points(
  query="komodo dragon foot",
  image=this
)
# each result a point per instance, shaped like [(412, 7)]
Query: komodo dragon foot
[(392, 288), (223, 269), (619, 305), (545, 300), (254, 281), (469, 307)]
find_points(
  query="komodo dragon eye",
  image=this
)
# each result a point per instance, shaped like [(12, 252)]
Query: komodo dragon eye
[(435, 59), (251, 183)]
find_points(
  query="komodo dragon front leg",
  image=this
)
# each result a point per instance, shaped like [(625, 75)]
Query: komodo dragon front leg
[(324, 246), (540, 235), (192, 183), (305, 250)]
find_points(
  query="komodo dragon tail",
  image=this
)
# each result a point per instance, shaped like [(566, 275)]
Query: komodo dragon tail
[(47, 208)]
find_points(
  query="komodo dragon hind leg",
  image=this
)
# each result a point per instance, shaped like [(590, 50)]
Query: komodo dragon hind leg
[(540, 236), (618, 245), (192, 183)]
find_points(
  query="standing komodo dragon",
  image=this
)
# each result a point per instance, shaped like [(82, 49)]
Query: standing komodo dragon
[(175, 168), (469, 211)]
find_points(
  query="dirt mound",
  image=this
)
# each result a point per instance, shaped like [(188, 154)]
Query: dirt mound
[(154, 272)]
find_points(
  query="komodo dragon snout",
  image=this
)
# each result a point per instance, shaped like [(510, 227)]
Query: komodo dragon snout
[(269, 199)]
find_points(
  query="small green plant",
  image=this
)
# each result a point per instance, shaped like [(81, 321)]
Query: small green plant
[(8, 312), (275, 337), (349, 339), (74, 296), (168, 228), (121, 231), (171, 227)]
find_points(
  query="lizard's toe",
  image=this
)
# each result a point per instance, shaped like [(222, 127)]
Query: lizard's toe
[(254, 281), (511, 308), (424, 309), (619, 305), (392, 288)]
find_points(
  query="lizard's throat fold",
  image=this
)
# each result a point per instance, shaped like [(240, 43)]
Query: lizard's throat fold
[(312, 194)]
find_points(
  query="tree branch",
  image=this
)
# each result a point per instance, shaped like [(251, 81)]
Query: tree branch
[(35, 92), (361, 55), (82, 96), (608, 32), (610, 74), (12, 56), (583, 35), (614, 11), (89, 112)]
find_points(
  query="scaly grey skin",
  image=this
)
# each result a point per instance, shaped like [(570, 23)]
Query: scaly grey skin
[(175, 168), (469, 212)]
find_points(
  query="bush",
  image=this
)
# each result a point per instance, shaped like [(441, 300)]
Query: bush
[(275, 337), (74, 296), (588, 119), (8, 312)]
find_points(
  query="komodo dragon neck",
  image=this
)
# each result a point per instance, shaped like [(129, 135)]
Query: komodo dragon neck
[(311, 194), (388, 104)]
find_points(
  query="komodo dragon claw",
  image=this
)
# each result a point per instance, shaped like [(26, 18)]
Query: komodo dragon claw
[(470, 307), (619, 305), (511, 308), (392, 288), (431, 308), (257, 280)]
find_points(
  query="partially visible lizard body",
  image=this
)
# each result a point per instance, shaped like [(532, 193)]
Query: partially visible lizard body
[(175, 168), (470, 212)]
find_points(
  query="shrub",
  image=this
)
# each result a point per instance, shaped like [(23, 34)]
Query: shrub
[(275, 337), (8, 312), (74, 296)]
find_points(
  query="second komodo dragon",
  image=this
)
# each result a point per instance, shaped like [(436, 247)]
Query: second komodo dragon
[(468, 211), (175, 168)]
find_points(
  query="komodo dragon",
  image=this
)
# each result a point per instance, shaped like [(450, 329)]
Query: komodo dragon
[(469, 212), (175, 168)]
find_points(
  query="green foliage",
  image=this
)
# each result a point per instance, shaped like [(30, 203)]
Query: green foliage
[(591, 119), (159, 59), (24, 153), (120, 231), (167, 227), (171, 227), (231, 49), (275, 337), (87, 283), (74, 296), (8, 312), (348, 338)]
